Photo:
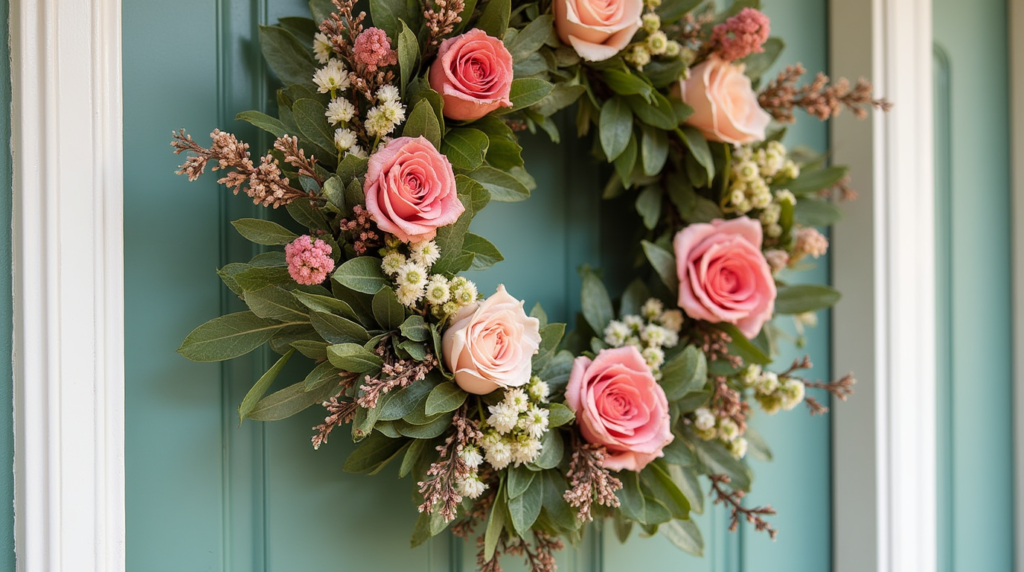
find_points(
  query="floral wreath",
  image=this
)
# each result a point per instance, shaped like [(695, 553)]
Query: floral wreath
[(391, 138)]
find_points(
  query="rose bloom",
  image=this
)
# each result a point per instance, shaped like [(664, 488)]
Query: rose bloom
[(619, 405), (410, 189), (725, 107), (597, 29), (723, 277), (473, 73), (490, 344)]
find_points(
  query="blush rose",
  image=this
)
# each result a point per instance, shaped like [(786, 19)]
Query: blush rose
[(473, 74), (410, 189), (597, 29), (725, 107), (619, 405), (723, 277), (490, 344)]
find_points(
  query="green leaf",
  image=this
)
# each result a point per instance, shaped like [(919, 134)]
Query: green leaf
[(551, 451), (625, 83), (389, 312), (334, 190), (423, 122), (372, 453), (658, 113), (633, 298), (309, 114), (353, 358), (252, 397), (538, 312), (759, 63), (503, 187), (554, 502), (350, 168), (648, 205), (759, 448), (311, 348), (361, 274), (276, 303), (742, 347), (338, 330), (653, 150), (801, 298), (531, 38), (672, 10), (263, 121), (289, 401), (496, 520), (444, 398), (638, 506), (664, 263), (699, 150), (550, 336), (228, 337), (812, 181), (415, 328), (663, 73), (434, 428), (408, 53), (526, 92), (596, 305), (485, 254), (412, 456), (623, 526), (686, 372), (408, 399), (692, 400), (685, 535), (321, 374), (615, 126), (665, 490), (325, 304), (561, 97), (494, 20), (257, 278), (525, 508), (688, 481), (519, 479), (559, 415), (625, 162), (465, 147), (388, 15), (813, 212), (290, 60), (718, 460)]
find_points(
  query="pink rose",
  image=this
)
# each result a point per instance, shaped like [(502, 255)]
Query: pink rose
[(723, 277), (597, 29), (410, 189), (473, 73), (619, 404), (725, 107), (490, 344)]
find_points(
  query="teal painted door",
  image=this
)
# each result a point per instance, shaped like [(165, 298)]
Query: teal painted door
[(6, 309), (974, 297), (206, 494)]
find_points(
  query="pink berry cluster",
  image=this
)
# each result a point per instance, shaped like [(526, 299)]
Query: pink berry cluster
[(741, 35), (373, 50), (309, 261)]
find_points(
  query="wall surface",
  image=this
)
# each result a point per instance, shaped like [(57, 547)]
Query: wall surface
[(6, 314)]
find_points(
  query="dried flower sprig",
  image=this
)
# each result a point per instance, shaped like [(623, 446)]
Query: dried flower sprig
[(540, 559), (589, 480), (362, 233), (733, 500), (306, 167), (339, 411), (440, 17), (728, 403), (819, 98), (395, 374), (841, 389), (440, 489), (714, 342), (265, 184)]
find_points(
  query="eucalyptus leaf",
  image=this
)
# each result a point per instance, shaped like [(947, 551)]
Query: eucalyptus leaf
[(802, 298), (389, 312), (444, 398), (353, 358), (684, 373), (228, 337), (338, 330), (415, 328), (494, 20), (648, 205), (465, 147), (265, 122), (596, 304), (485, 254), (288, 401), (423, 122), (664, 263), (502, 186), (321, 375), (615, 127), (685, 535), (277, 303), (372, 452), (559, 415), (252, 397), (290, 60), (408, 53), (362, 274), (524, 509)]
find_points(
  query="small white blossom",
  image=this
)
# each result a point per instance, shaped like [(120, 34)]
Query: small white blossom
[(728, 430), (516, 399), (503, 417), (615, 333), (357, 151), (408, 294), (525, 450), (635, 342), (651, 22), (539, 390), (634, 322), (767, 383), (340, 110), (322, 48), (790, 170), (535, 421), (471, 456), (657, 43), (792, 393), (672, 320), (388, 93), (471, 487), (673, 48), (654, 335), (773, 162), (639, 56), (785, 196), (738, 448), (344, 139), (746, 171), (412, 274), (750, 375), (437, 290), (498, 454), (704, 419), (464, 294), (382, 119), (654, 357), (773, 230), (331, 77), (652, 308), (392, 262), (425, 252)]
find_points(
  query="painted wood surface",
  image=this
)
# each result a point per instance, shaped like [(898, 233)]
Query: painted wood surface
[(206, 494), (6, 311)]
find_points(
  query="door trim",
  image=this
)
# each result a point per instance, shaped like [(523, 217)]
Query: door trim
[(68, 285), (1016, 22), (884, 454)]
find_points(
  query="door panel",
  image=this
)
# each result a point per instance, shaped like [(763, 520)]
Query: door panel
[(207, 494)]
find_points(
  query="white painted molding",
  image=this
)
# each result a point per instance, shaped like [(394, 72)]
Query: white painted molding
[(1016, 24), (884, 438), (68, 285)]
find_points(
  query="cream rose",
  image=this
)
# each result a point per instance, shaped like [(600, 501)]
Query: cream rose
[(597, 29), (490, 344), (725, 107)]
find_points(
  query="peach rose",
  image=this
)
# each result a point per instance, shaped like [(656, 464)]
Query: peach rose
[(473, 74), (410, 189), (723, 277), (725, 107), (619, 404), (597, 29), (490, 344)]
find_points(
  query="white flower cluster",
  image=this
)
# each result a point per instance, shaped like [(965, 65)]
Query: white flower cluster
[(513, 432), (655, 328), (709, 426), (657, 43), (771, 392), (388, 114), (471, 486), (414, 281), (753, 173)]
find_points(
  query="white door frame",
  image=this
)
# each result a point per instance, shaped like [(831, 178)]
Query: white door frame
[(69, 290)]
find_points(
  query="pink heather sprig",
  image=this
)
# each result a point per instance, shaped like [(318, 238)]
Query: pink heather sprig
[(309, 262), (373, 50), (741, 35)]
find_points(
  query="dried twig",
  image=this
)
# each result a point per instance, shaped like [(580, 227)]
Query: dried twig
[(439, 490), (733, 500), (818, 98), (589, 480)]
